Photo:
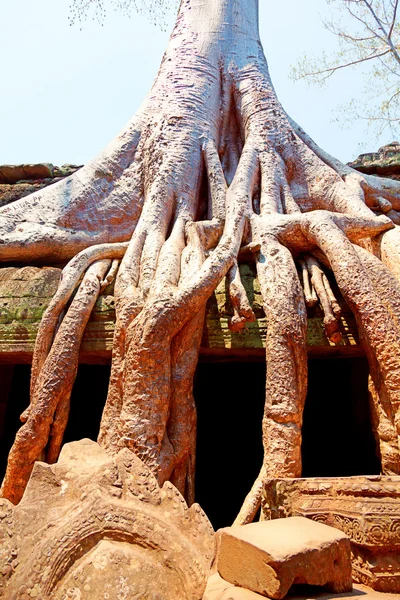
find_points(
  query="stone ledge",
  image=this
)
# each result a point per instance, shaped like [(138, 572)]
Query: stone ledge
[(18, 181), (384, 163)]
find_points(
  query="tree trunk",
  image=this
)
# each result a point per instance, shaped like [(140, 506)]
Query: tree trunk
[(210, 163)]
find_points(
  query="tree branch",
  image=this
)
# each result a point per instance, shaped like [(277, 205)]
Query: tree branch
[(332, 70), (394, 19)]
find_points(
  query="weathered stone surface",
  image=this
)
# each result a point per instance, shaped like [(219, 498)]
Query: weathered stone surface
[(25, 294), (10, 193), (14, 173), (219, 589), (18, 181), (92, 524), (367, 509), (269, 557), (385, 162)]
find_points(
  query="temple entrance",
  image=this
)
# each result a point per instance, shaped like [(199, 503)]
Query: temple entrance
[(337, 431), (230, 405), (14, 400), (87, 402), (88, 399)]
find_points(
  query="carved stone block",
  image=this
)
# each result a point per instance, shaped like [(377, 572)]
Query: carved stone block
[(268, 558), (367, 509), (93, 526)]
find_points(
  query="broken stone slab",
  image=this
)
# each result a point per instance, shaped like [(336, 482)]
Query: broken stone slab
[(269, 557), (367, 509)]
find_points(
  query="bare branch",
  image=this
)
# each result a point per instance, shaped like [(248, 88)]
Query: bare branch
[(370, 34), (384, 32), (394, 19), (333, 69)]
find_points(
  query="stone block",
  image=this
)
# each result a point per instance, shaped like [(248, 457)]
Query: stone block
[(269, 557), (367, 509), (219, 589), (14, 173)]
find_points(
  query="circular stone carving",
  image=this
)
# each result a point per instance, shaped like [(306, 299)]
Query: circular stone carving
[(95, 527), (114, 570)]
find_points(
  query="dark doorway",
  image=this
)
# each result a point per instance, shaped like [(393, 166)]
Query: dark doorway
[(17, 402), (230, 404), (87, 402), (337, 431)]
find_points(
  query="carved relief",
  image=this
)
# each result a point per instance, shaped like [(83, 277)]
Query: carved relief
[(367, 509), (94, 527)]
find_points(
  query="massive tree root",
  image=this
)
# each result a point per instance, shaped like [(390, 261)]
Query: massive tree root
[(209, 171)]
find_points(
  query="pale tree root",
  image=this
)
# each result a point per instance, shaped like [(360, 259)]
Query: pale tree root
[(286, 356), (132, 289), (99, 204), (389, 251), (380, 194), (182, 423), (286, 315), (128, 302), (178, 466), (318, 287), (141, 273), (156, 414), (385, 413), (242, 311), (47, 418), (310, 295), (377, 312), (70, 278)]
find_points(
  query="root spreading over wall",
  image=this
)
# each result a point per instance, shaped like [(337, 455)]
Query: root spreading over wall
[(211, 169)]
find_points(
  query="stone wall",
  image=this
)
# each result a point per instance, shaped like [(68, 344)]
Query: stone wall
[(384, 163), (26, 292), (17, 181)]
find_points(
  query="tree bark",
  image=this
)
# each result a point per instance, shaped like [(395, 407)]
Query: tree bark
[(210, 163)]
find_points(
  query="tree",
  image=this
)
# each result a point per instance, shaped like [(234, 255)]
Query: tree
[(369, 34), (209, 170)]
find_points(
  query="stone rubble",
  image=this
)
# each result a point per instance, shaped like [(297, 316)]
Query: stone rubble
[(270, 556)]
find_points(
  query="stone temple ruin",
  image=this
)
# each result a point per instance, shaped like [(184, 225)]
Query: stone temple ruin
[(92, 526)]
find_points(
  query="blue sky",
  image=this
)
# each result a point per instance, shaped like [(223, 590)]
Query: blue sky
[(66, 92)]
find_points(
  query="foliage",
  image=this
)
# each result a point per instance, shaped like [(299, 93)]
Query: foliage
[(155, 10), (368, 33)]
